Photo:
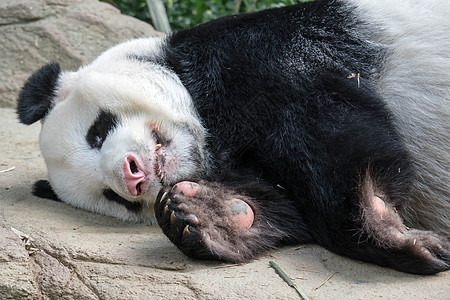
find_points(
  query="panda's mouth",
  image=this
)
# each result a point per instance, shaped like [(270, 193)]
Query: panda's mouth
[(159, 157), (159, 161)]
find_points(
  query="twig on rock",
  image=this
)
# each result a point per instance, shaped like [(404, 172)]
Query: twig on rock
[(287, 279)]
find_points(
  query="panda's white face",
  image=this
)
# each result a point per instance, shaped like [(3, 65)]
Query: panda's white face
[(121, 125)]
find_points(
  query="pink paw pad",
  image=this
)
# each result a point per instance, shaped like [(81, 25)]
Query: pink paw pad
[(379, 205), (186, 188), (242, 213)]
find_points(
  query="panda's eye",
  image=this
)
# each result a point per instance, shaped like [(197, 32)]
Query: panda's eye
[(99, 130), (157, 135), (156, 131)]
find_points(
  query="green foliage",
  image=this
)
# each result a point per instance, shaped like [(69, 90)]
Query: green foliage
[(188, 13), (134, 8)]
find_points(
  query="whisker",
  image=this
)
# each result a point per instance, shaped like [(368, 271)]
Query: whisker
[(74, 151)]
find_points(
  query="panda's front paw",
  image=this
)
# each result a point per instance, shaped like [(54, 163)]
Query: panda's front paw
[(205, 220)]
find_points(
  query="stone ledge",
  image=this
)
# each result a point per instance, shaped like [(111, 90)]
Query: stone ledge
[(72, 33)]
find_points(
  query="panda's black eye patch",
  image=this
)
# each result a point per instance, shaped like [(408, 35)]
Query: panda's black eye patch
[(99, 130)]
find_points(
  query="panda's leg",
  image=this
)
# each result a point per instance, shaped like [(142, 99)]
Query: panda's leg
[(222, 222), (385, 240)]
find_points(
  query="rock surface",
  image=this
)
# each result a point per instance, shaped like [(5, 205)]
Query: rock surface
[(70, 32)]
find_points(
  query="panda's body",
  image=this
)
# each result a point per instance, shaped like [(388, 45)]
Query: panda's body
[(316, 116)]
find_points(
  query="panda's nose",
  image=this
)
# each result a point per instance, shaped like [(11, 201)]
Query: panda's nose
[(134, 176)]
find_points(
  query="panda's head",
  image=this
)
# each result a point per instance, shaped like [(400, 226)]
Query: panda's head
[(115, 131)]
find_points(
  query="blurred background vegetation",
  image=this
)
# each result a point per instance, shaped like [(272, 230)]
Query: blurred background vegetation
[(187, 13)]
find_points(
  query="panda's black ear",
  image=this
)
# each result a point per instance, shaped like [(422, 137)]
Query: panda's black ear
[(43, 189), (36, 96)]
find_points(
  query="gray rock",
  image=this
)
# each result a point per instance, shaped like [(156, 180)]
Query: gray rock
[(16, 276), (70, 32)]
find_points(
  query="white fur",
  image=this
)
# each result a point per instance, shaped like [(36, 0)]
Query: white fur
[(139, 95), (415, 83)]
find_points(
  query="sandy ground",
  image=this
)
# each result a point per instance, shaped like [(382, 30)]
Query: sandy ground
[(52, 250)]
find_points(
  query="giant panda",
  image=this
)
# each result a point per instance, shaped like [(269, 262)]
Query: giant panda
[(325, 122)]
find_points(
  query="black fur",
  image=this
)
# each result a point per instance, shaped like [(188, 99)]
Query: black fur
[(99, 130), (43, 189), (229, 59), (286, 97), (131, 206), (35, 98)]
